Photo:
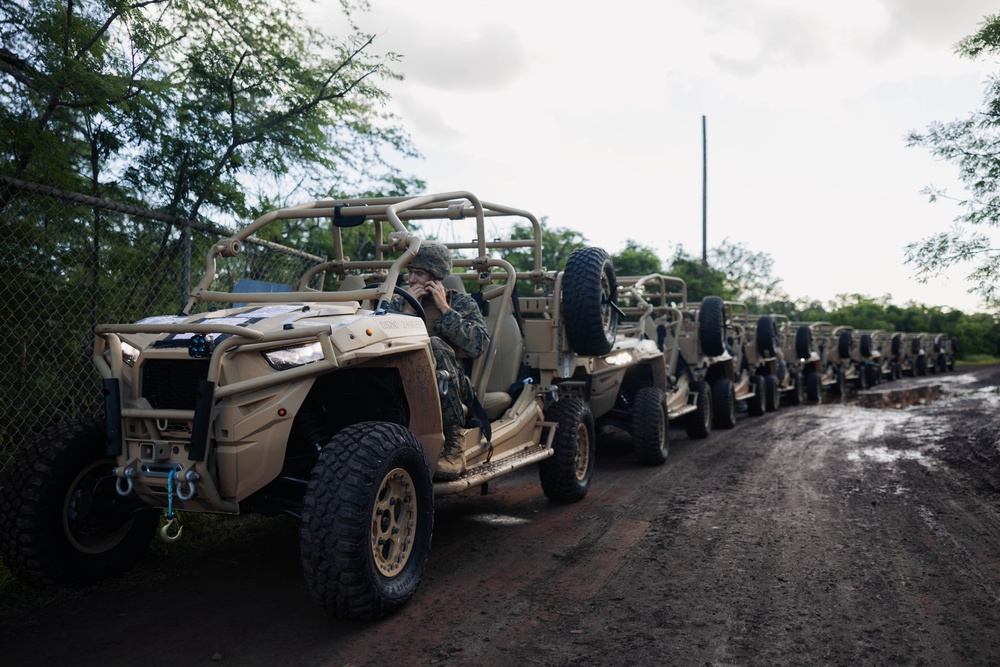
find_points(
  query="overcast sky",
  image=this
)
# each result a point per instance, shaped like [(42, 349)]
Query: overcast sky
[(590, 114)]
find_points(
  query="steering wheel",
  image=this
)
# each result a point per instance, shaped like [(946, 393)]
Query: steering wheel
[(408, 298)]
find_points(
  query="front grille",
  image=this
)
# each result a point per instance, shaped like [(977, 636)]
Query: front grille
[(172, 384)]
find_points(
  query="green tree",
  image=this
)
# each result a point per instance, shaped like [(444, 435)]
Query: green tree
[(749, 274), (972, 144), (701, 280), (636, 260), (558, 244)]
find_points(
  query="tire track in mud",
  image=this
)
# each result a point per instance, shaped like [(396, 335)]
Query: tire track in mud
[(823, 534)]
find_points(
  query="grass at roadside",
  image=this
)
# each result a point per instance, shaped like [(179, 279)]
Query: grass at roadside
[(977, 360)]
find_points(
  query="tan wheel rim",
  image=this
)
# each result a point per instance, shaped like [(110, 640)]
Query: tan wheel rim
[(582, 451), (606, 310), (394, 522)]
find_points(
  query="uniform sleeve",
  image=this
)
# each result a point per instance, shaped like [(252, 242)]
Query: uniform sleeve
[(462, 326)]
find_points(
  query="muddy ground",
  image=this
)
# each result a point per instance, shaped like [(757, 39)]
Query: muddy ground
[(828, 534)]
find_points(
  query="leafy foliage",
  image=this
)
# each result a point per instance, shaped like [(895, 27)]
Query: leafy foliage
[(189, 106), (636, 260), (973, 145)]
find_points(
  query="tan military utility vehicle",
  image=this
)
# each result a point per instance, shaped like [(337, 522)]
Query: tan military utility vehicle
[(321, 405), (820, 361), (655, 309), (783, 382), (726, 361), (945, 348), (919, 345), (870, 343)]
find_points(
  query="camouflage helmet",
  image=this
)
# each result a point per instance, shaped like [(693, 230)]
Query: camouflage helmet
[(434, 258)]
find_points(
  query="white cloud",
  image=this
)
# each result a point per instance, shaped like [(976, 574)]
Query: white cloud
[(591, 115)]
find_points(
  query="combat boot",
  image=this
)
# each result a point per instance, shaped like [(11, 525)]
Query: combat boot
[(451, 465)]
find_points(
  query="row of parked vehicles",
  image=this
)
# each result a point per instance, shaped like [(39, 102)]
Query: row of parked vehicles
[(324, 405)]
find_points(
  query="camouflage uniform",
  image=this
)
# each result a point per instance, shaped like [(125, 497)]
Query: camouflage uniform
[(457, 333)]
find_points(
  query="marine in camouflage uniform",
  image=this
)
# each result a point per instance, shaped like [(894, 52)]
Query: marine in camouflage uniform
[(457, 332)]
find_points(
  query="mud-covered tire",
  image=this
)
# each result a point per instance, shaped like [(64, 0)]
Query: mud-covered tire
[(896, 346), (871, 374), (367, 520), (566, 475), (839, 382), (795, 396), (589, 294), (698, 424), (770, 393), (803, 342), (723, 404), (755, 403), (865, 345), (712, 326), (914, 346), (844, 344), (920, 367), (814, 386), (767, 336), (61, 519), (650, 434)]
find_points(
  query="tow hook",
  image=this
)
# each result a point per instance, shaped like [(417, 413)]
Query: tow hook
[(442, 378), (171, 530)]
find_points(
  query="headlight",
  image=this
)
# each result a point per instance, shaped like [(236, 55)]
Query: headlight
[(619, 358), (291, 357), (129, 353)]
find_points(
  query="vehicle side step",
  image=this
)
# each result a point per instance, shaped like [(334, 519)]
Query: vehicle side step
[(484, 472)]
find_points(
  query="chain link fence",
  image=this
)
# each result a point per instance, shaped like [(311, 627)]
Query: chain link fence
[(69, 262)]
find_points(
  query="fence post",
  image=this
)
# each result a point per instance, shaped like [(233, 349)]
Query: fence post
[(185, 261)]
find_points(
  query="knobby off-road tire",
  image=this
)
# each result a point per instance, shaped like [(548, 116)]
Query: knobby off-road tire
[(767, 336), (712, 326), (798, 386), (865, 346), (650, 435), (921, 366), (914, 346), (839, 381), (844, 344), (61, 519), (896, 347), (814, 387), (755, 404), (367, 520), (589, 292), (698, 424), (803, 342), (770, 393), (566, 475), (724, 404)]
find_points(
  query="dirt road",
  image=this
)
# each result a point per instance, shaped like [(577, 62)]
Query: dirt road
[(824, 534)]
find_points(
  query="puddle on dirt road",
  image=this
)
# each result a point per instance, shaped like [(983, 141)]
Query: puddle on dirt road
[(886, 455), (498, 519), (901, 397)]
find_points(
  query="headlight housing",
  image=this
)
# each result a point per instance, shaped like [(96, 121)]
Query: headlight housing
[(129, 353), (292, 357)]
